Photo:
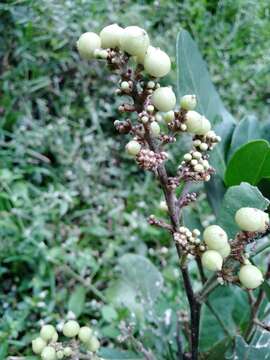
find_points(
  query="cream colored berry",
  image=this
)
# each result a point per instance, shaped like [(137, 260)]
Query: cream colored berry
[(215, 237), (93, 344), (38, 345), (196, 155), (124, 85), (67, 351), (203, 146), (250, 276), (156, 62), (169, 116), (251, 219), (110, 36), (212, 260), (187, 157), (225, 250), (71, 328), (87, 44), (188, 102), (85, 334), (155, 128), (196, 123), (164, 99), (198, 168), (133, 147), (134, 40), (48, 353), (47, 332), (55, 337), (60, 354), (163, 206)]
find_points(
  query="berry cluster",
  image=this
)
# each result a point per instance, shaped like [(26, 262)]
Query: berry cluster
[(49, 348)]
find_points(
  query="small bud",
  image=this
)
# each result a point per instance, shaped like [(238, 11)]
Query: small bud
[(150, 108), (196, 123), (215, 237), (205, 164), (183, 127), (212, 260), (85, 334), (196, 155), (169, 116), (133, 147), (158, 117), (194, 162), (47, 332), (38, 345), (197, 142), (110, 36), (124, 85), (144, 119), (87, 44), (203, 146), (93, 344), (251, 219), (188, 102), (155, 129), (163, 206), (225, 250), (187, 157), (151, 85), (196, 232), (198, 168), (71, 328), (250, 276), (60, 354), (55, 337), (67, 351), (156, 62), (48, 353), (164, 99), (134, 40)]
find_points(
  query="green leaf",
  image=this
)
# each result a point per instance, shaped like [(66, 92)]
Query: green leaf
[(246, 130), (108, 313), (236, 197), (266, 288), (77, 300), (114, 354), (3, 350), (215, 190), (250, 163), (244, 351)]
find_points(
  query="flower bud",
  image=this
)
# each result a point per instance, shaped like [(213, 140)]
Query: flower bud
[(110, 36), (85, 334), (47, 332), (93, 344), (67, 351), (212, 260), (251, 219), (71, 328), (48, 353), (163, 206), (124, 85), (38, 345), (196, 123), (187, 157), (198, 168), (188, 102), (215, 237), (55, 337), (156, 62), (134, 40), (133, 147), (164, 99), (60, 354), (169, 116), (225, 250), (250, 276), (155, 129), (87, 44)]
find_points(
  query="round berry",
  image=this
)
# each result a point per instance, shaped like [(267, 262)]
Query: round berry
[(155, 129), (60, 354), (124, 85), (67, 351), (87, 44), (48, 353), (169, 116), (188, 102), (55, 337), (215, 237), (250, 276), (187, 157), (225, 250), (212, 260), (133, 147), (156, 62), (38, 345), (196, 123), (47, 332), (71, 328), (134, 40), (251, 219), (85, 334), (110, 36), (164, 99), (203, 146), (93, 344), (198, 168), (163, 206)]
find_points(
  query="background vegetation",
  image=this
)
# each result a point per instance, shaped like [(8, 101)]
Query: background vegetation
[(72, 204)]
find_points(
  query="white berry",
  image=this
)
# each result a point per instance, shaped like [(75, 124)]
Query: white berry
[(124, 85), (163, 206), (71, 328), (164, 99), (38, 345), (169, 116), (133, 147), (188, 102), (87, 44), (47, 332), (156, 62), (198, 168), (225, 250), (67, 351), (85, 334), (134, 40), (251, 219), (110, 36), (48, 353), (212, 260), (155, 128), (196, 123), (215, 237), (93, 344), (187, 157), (250, 276)]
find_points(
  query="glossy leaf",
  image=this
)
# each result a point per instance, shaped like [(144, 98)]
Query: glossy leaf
[(258, 350), (77, 300)]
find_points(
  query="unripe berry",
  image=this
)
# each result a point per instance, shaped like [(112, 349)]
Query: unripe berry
[(47, 332), (156, 62), (225, 250), (38, 345), (134, 40), (87, 44), (187, 157), (133, 147), (203, 146), (155, 129), (164, 99), (250, 276), (71, 328), (55, 337), (85, 334), (67, 351), (93, 344), (110, 36), (251, 219), (188, 102), (150, 108), (212, 260), (60, 354), (163, 206), (198, 168), (48, 353), (124, 85), (215, 237), (196, 123), (169, 116)]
